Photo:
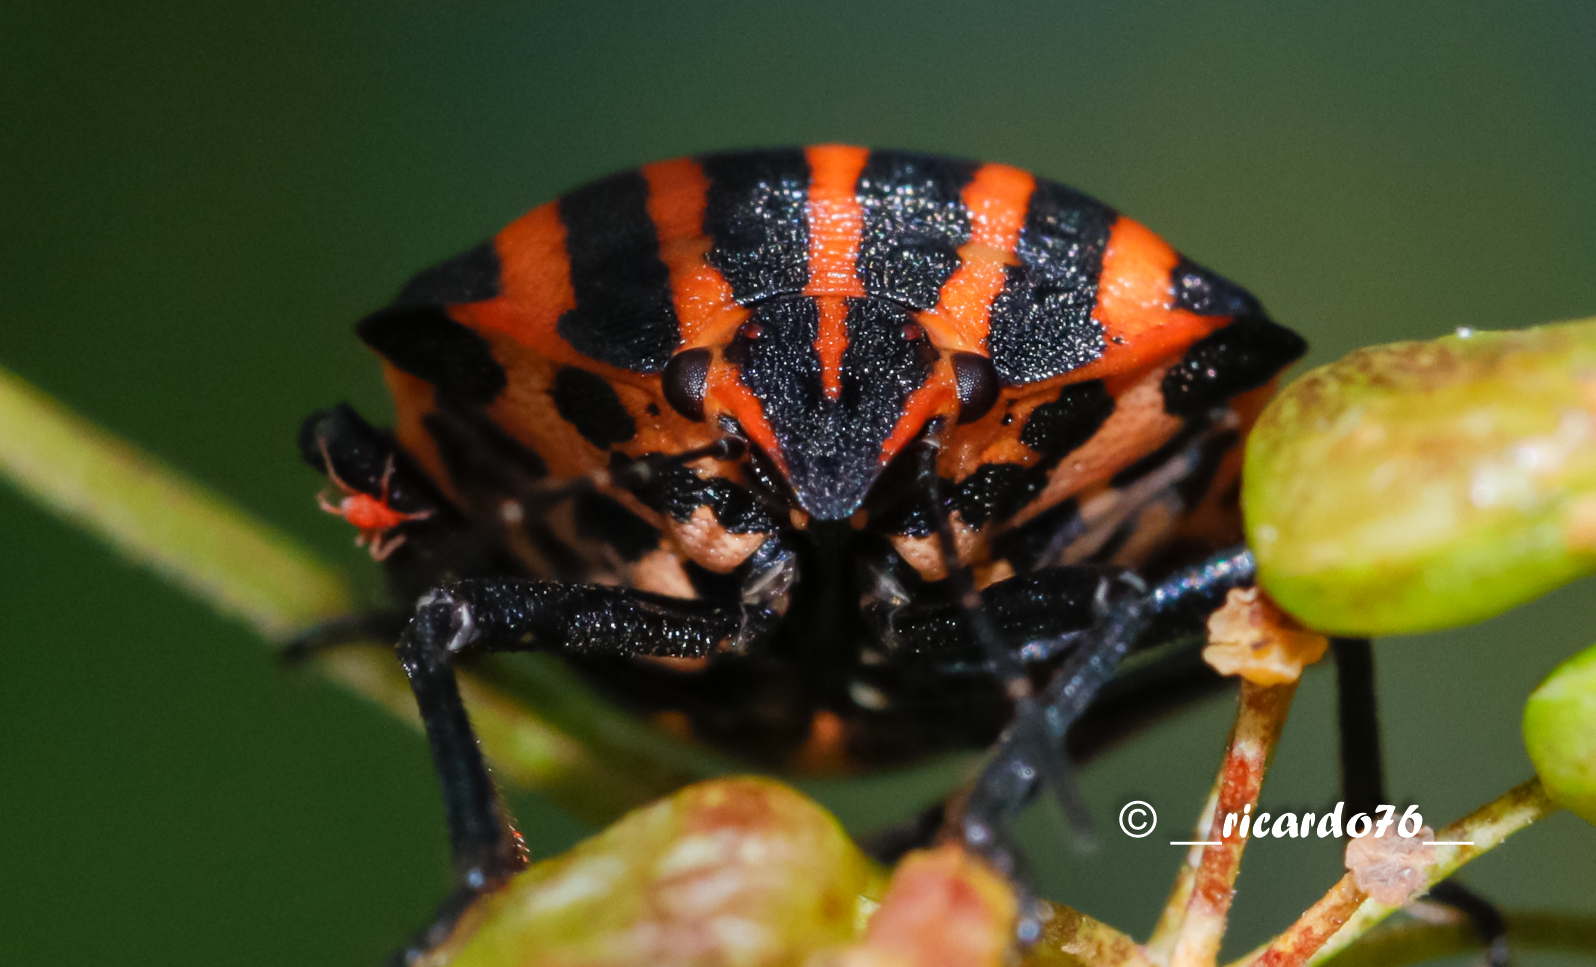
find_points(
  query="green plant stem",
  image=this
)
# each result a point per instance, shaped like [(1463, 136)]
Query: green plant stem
[(188, 534), (1261, 712), (1161, 945), (586, 755), (1487, 828), (1345, 914), (1083, 940)]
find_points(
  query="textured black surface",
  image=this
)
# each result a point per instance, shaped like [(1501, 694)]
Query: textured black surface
[(1026, 547), (914, 223), (1041, 323), (832, 448), (978, 385), (624, 315), (995, 491), (673, 489), (754, 212), (1200, 290), (471, 276), (586, 401), (1243, 355), (424, 341), (1069, 420), (1031, 607)]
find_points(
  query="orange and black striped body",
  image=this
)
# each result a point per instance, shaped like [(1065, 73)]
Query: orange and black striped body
[(708, 378)]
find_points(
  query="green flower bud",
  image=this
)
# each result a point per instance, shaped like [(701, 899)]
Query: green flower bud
[(733, 871), (1424, 485), (1560, 733)]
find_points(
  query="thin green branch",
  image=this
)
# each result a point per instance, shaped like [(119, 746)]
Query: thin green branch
[(190, 535), (583, 753), (1261, 712), (1486, 827), (1161, 945), (1086, 941), (1344, 914)]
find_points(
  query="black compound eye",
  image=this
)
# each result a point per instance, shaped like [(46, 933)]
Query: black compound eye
[(685, 378), (978, 385)]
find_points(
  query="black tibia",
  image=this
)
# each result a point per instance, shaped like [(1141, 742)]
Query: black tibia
[(1363, 783), (1029, 751), (483, 845), (1006, 663), (521, 615), (1169, 674), (1482, 915), (1358, 716)]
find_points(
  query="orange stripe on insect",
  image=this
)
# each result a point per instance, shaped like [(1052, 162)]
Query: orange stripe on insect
[(997, 197), (535, 283), (938, 396), (726, 394), (836, 219), (1138, 426), (414, 399), (1135, 304), (831, 341), (705, 307), (836, 224)]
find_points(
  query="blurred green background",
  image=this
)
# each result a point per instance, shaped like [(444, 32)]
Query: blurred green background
[(199, 200)]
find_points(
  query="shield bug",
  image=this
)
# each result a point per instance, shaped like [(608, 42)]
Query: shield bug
[(833, 457)]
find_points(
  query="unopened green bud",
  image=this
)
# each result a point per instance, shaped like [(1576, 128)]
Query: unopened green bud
[(1560, 733), (731, 871), (1424, 485)]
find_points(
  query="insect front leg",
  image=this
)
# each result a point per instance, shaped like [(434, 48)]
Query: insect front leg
[(491, 614), (1030, 750), (1041, 618)]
